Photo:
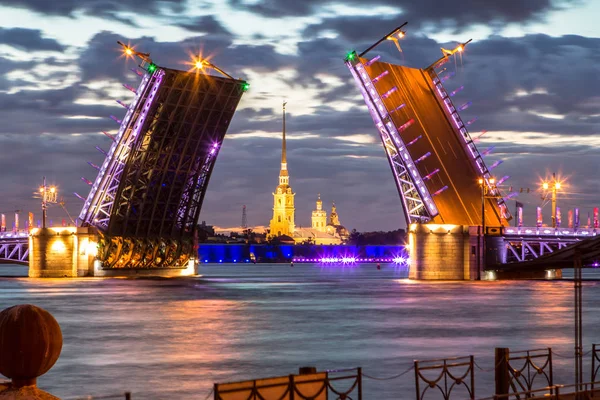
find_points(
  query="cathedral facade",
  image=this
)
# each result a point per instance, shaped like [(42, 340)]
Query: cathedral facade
[(322, 230)]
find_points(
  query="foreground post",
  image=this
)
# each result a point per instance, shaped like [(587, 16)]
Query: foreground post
[(30, 344), (501, 372)]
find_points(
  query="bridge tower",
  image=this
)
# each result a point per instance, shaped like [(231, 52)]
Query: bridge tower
[(434, 161), (145, 202)]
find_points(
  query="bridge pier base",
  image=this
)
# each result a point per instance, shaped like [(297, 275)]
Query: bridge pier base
[(62, 252), (548, 274), (444, 252)]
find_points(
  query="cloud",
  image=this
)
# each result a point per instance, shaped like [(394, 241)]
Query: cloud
[(95, 7), (515, 84), (204, 24), (441, 14), (28, 40)]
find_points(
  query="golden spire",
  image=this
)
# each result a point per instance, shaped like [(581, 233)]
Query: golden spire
[(283, 152), (283, 174)]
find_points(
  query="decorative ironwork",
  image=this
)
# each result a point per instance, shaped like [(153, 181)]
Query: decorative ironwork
[(525, 366), (595, 363), (449, 374), (316, 386), (554, 392)]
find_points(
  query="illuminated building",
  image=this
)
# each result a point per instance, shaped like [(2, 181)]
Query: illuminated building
[(319, 216), (282, 223)]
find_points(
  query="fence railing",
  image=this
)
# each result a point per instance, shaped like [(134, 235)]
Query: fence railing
[(125, 395), (445, 375), (343, 384), (585, 391)]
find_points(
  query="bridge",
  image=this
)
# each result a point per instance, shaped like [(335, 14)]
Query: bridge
[(143, 207), (14, 248), (457, 215)]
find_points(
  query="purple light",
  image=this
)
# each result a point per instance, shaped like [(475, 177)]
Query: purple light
[(424, 156), (372, 60), (456, 91), (406, 125), (389, 92), (428, 176), (212, 151), (216, 145), (440, 191), (380, 76)]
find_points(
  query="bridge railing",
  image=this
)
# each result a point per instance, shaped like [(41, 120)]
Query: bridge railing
[(14, 235), (548, 231)]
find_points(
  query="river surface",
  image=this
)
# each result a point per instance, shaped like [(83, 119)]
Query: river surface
[(174, 338)]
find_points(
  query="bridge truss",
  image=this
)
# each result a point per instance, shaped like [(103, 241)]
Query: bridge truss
[(528, 243), (14, 248), (435, 163), (146, 199)]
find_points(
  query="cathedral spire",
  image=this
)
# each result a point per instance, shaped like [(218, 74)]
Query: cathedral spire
[(283, 173), (283, 152)]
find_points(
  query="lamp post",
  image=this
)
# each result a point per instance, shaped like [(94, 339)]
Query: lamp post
[(555, 186), (49, 195), (485, 189)]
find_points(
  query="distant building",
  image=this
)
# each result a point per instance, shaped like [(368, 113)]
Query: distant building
[(282, 225), (319, 216), (282, 222)]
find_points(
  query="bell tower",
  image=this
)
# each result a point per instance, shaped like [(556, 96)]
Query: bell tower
[(283, 198), (319, 216)]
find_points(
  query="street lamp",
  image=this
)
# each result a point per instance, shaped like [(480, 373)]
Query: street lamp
[(553, 185), (487, 191), (49, 195)]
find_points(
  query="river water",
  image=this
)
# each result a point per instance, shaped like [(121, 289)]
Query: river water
[(174, 338)]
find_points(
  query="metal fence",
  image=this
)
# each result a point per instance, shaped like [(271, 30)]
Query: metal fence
[(555, 392), (445, 375), (343, 384), (125, 395)]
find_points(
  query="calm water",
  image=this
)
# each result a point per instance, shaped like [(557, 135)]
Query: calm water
[(174, 338)]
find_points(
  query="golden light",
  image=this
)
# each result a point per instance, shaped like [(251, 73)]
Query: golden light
[(492, 181), (52, 189), (481, 181), (401, 34), (42, 189), (545, 185), (557, 185), (128, 51), (459, 48), (199, 64)]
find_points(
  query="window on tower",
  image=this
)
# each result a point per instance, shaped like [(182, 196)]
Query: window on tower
[(279, 218)]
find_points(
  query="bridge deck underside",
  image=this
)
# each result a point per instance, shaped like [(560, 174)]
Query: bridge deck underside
[(163, 185), (461, 202)]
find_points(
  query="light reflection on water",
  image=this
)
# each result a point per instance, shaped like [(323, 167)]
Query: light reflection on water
[(173, 338)]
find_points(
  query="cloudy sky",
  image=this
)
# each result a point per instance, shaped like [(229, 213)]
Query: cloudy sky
[(531, 72)]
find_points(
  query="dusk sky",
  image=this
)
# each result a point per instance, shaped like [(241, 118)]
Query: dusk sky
[(531, 72)]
